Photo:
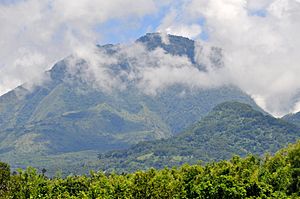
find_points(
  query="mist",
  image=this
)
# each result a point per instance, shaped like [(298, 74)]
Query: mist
[(259, 40), (35, 34), (149, 71)]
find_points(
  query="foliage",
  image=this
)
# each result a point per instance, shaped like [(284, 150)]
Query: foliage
[(4, 177), (250, 177), (231, 128), (293, 118)]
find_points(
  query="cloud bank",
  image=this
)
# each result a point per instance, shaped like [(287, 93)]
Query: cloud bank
[(261, 45), (259, 39), (37, 33), (149, 71)]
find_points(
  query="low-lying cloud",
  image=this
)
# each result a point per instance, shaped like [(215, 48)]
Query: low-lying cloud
[(261, 44), (37, 33), (150, 71), (259, 40)]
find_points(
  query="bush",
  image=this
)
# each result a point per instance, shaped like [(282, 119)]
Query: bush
[(251, 177), (4, 177)]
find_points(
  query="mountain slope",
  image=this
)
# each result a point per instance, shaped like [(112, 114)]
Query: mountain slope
[(69, 115), (231, 128), (293, 118)]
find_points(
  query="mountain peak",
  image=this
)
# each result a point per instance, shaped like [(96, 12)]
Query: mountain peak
[(237, 108), (58, 71), (175, 45), (160, 37), (233, 105)]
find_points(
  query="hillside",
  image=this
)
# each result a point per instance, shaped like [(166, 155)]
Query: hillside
[(68, 115), (231, 128), (293, 118)]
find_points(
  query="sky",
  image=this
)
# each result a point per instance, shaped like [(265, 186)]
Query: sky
[(260, 41)]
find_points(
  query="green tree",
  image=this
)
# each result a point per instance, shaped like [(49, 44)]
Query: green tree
[(4, 177)]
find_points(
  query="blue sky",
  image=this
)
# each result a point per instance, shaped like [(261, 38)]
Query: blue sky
[(7, 2), (127, 30), (118, 31)]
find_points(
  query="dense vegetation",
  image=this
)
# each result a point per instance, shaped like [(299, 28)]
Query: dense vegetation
[(68, 115), (293, 118), (275, 176), (231, 128)]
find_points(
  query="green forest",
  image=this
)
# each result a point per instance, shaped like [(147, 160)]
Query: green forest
[(270, 176), (231, 128)]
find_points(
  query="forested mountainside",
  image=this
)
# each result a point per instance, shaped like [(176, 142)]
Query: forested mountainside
[(250, 177), (293, 118), (232, 128), (68, 117)]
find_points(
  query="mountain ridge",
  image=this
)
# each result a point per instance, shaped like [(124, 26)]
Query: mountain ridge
[(292, 118), (231, 128), (45, 119)]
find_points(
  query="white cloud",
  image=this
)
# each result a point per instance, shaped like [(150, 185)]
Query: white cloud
[(149, 71), (296, 107), (171, 24), (50, 29), (28, 67), (260, 53), (190, 31), (95, 70)]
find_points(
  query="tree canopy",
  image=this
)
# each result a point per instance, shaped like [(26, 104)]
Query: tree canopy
[(276, 176)]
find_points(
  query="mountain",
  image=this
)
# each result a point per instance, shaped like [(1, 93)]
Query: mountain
[(67, 116), (293, 118), (230, 128)]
